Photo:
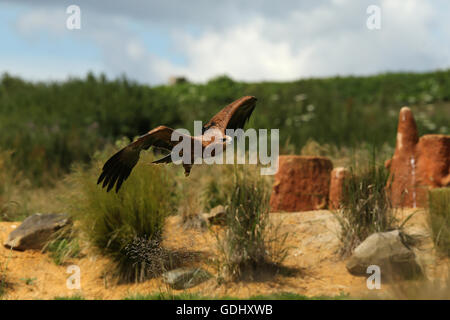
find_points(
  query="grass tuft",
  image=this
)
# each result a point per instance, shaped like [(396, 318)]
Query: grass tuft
[(366, 207), (113, 221), (439, 208), (251, 244)]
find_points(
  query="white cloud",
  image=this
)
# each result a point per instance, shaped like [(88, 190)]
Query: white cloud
[(327, 40), (267, 43)]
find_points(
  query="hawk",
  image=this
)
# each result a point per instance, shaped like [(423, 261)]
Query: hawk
[(234, 116)]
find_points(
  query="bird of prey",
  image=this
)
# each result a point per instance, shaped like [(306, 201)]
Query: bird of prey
[(117, 169)]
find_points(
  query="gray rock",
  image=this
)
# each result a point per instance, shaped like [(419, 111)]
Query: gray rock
[(183, 278), (388, 251), (217, 215), (35, 231)]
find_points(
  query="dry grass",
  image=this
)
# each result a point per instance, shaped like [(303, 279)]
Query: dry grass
[(439, 208), (366, 207), (251, 245)]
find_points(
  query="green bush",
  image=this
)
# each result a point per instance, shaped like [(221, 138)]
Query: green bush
[(439, 208), (366, 207), (114, 222), (251, 244)]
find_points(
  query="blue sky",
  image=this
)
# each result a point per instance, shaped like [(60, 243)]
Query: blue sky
[(149, 41)]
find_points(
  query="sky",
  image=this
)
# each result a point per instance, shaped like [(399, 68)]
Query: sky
[(248, 40)]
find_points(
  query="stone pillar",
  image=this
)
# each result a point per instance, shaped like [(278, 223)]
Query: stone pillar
[(337, 178), (403, 165), (301, 183), (417, 164)]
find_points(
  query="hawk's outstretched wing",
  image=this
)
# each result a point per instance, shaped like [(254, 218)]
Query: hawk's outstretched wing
[(234, 116), (119, 166)]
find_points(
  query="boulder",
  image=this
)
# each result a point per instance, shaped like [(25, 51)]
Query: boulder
[(183, 278), (417, 164), (388, 251), (336, 187), (302, 183), (35, 231)]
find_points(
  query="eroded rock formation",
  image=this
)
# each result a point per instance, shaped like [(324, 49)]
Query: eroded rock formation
[(301, 183), (417, 164), (336, 187)]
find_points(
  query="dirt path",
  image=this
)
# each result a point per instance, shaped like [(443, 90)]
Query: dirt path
[(312, 238)]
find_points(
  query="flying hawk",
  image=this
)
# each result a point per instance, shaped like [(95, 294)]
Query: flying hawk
[(117, 169)]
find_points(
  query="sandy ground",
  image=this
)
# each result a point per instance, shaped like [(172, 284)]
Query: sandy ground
[(312, 238)]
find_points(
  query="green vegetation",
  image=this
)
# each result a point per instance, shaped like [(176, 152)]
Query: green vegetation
[(49, 126), (366, 207), (74, 297), (217, 187), (123, 225), (439, 208), (247, 248), (63, 249), (194, 296), (11, 181)]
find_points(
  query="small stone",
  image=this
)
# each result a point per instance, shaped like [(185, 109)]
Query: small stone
[(183, 278)]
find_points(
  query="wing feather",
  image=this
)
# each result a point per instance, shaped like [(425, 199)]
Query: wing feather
[(118, 168), (233, 116)]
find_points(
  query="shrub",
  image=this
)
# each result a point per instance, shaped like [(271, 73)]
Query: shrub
[(112, 222), (251, 243), (366, 207), (12, 185), (439, 208)]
